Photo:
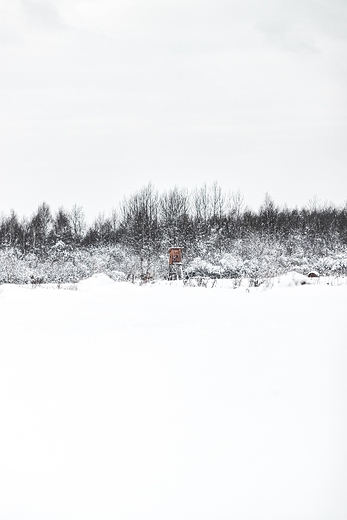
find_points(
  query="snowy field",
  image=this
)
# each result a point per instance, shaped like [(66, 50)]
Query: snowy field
[(163, 402)]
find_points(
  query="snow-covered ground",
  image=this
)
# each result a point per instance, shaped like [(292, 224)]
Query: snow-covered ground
[(173, 403)]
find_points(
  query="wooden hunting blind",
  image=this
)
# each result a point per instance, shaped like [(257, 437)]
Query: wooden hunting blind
[(175, 255), (175, 263)]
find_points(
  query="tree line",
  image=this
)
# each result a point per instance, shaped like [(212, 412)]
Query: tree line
[(148, 220), (205, 222)]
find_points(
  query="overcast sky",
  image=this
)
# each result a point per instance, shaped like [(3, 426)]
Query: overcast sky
[(98, 97)]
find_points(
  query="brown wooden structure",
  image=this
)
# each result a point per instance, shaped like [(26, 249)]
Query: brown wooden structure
[(175, 255), (175, 263)]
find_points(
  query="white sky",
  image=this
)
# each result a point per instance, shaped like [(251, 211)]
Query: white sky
[(98, 97)]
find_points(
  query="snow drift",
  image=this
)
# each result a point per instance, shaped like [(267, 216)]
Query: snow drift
[(167, 402)]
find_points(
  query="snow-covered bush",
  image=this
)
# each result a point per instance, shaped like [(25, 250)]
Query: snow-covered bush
[(251, 257), (199, 267)]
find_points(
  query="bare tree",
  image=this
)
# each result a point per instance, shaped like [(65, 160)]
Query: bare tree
[(139, 226), (236, 204), (174, 216), (40, 227), (62, 229), (78, 224)]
